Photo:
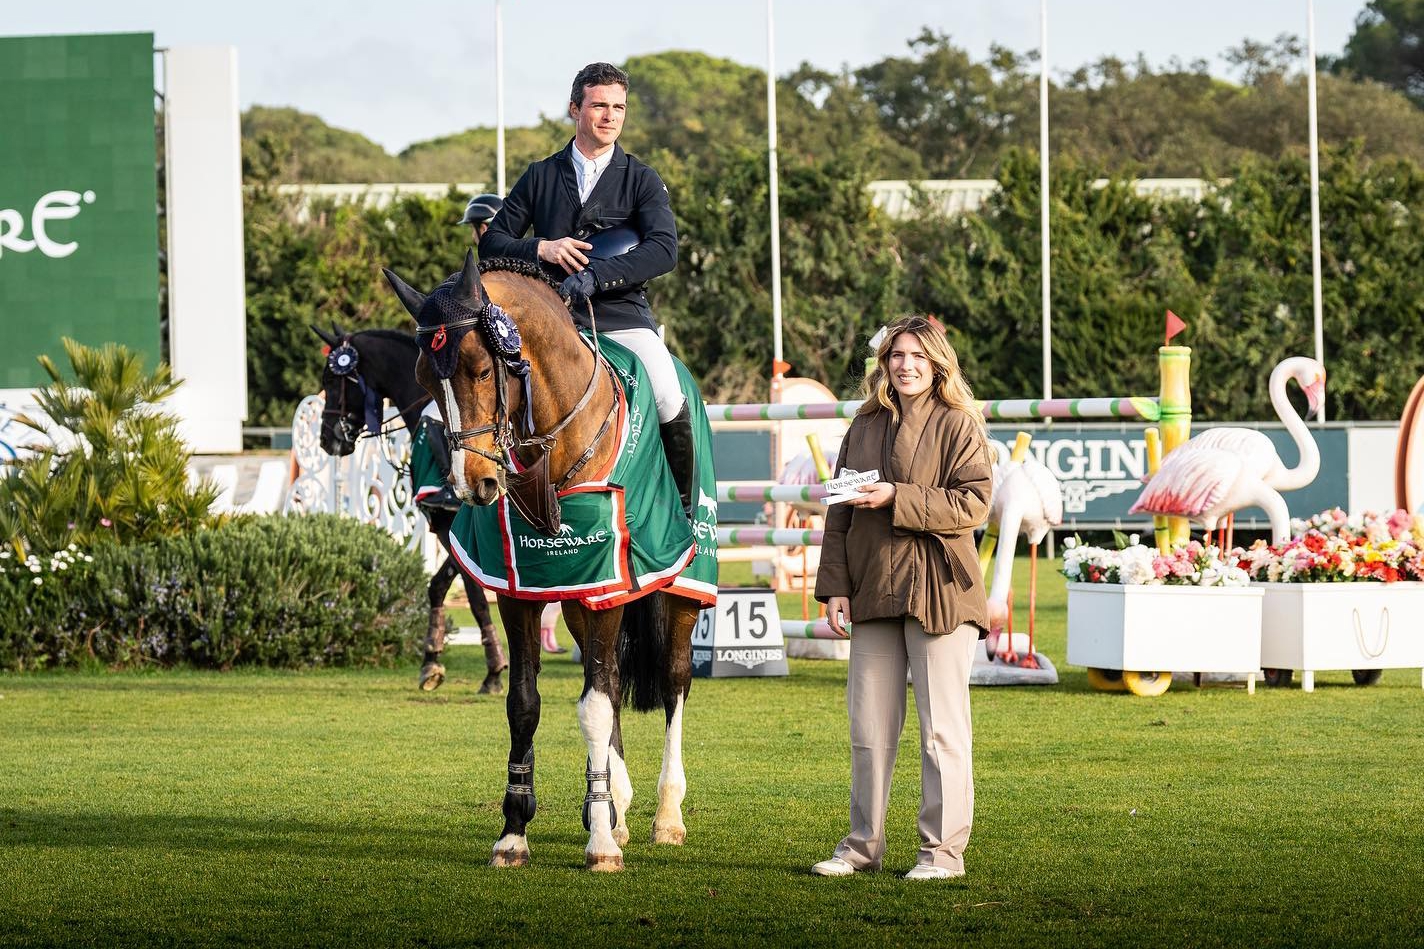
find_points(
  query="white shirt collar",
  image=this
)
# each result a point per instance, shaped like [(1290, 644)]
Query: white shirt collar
[(589, 170)]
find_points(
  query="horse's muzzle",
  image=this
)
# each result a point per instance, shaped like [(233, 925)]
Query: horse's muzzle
[(485, 492)]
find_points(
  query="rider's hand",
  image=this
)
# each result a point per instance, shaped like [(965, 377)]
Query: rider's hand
[(579, 287), (566, 252), (838, 615)]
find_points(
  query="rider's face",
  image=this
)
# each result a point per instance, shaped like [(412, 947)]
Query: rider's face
[(599, 121)]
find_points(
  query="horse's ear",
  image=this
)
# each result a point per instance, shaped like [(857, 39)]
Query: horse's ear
[(411, 298), (469, 292), (330, 341)]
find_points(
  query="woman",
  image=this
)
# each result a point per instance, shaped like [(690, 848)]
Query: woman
[(899, 561)]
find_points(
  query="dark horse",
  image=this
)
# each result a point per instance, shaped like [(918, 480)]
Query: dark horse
[(362, 369), (643, 652)]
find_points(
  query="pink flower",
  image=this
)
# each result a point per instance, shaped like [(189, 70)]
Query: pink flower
[(105, 522)]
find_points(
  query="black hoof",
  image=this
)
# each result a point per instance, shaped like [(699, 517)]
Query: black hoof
[(492, 685)]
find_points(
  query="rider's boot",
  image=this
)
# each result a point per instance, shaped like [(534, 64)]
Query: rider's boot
[(677, 445), (444, 499)]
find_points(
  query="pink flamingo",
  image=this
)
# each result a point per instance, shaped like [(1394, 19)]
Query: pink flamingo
[(1027, 500), (1223, 470)]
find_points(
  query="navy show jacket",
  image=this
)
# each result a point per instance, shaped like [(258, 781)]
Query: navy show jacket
[(628, 193)]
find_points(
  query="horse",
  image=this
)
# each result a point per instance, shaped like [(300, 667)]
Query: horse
[(511, 419), (362, 369)]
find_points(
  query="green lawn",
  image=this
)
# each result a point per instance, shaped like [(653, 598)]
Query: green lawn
[(345, 807)]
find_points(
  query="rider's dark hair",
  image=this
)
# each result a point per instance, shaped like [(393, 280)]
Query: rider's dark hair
[(597, 74)]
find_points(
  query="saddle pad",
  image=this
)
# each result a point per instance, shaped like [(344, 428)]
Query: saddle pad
[(623, 535)]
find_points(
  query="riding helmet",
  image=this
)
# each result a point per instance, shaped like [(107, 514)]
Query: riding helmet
[(482, 209)]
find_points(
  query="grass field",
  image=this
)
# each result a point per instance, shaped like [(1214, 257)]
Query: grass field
[(345, 807)]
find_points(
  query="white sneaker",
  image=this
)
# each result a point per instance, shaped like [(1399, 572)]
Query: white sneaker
[(926, 871), (834, 867)]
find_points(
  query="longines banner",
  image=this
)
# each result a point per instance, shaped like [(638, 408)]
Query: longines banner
[(1100, 469), (78, 198)]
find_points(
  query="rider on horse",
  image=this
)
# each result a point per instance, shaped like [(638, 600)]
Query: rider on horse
[(593, 194)]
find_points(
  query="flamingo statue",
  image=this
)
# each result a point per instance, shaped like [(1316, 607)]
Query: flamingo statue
[(1223, 470), (1027, 500)]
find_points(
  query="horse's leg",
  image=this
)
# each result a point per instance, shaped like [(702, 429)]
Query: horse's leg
[(521, 625), (432, 672), (576, 618), (495, 663), (668, 827), (597, 710)]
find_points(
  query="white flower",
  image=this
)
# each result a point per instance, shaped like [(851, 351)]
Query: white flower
[(39, 581)]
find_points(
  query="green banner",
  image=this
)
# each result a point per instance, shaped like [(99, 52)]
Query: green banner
[(78, 198)]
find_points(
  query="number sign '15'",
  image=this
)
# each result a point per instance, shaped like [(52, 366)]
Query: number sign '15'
[(740, 636)]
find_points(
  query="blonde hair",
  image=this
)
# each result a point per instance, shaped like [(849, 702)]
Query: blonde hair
[(948, 385)]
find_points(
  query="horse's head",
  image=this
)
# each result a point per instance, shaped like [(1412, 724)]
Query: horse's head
[(459, 332), (344, 415)]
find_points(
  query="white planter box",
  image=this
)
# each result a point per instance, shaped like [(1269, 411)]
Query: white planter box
[(1164, 628), (1315, 626)]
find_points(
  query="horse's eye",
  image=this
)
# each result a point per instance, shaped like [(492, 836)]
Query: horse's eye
[(481, 377)]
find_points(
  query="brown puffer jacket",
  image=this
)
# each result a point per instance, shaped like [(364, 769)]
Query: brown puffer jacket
[(915, 557)]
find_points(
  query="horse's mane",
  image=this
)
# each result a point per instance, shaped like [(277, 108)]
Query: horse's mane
[(523, 268), (398, 336)]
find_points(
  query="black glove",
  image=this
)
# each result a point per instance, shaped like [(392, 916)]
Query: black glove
[(578, 287)]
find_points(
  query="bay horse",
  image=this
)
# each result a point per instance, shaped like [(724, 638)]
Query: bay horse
[(501, 428), (362, 369)]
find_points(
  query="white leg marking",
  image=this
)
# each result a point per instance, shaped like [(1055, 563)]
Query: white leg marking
[(595, 714), (511, 850), (457, 455), (622, 794), (672, 784)]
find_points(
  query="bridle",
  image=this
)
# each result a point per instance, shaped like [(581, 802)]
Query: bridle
[(343, 361), (500, 337)]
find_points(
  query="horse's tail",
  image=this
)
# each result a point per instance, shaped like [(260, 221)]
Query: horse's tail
[(643, 651)]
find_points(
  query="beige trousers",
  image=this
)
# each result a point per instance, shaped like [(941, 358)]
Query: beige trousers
[(880, 651)]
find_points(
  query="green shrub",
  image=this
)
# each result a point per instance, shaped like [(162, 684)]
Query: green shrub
[(271, 591)]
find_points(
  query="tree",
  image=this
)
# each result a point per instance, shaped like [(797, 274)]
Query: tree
[(1388, 46)]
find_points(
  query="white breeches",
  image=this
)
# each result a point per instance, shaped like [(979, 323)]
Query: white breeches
[(657, 363)]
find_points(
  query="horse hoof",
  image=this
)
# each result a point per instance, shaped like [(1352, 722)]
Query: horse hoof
[(670, 835), (604, 863), (620, 835), (509, 858), (492, 685), (431, 676)]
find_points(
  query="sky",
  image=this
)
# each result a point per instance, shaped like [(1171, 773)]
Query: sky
[(417, 69)]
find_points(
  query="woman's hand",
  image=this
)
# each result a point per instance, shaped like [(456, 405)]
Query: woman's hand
[(838, 615), (879, 494)]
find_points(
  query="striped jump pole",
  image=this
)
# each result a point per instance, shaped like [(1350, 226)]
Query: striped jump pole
[(767, 536), (1119, 407), (740, 491), (807, 629)]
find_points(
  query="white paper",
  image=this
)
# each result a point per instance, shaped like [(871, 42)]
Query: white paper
[(845, 487)]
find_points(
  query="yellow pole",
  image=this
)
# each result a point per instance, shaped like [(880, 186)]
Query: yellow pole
[(823, 470), (1175, 363), (1160, 533), (990, 540)]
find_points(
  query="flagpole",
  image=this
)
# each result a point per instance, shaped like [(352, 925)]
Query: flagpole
[(1046, 265), (499, 97), (1314, 196), (776, 350)]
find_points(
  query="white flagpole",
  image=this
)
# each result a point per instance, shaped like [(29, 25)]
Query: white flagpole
[(1043, 195), (776, 351), (1314, 193), (499, 97)]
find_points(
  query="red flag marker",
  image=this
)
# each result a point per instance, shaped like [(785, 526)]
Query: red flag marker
[(1174, 326)]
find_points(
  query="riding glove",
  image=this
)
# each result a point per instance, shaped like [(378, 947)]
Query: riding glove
[(579, 287)]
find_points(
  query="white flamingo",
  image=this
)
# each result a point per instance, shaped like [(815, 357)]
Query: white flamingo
[(1027, 500), (1223, 470)]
